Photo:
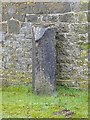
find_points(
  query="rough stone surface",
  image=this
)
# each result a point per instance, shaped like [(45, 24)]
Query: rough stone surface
[(67, 18), (32, 18), (4, 27), (50, 18), (70, 21), (45, 63), (13, 26)]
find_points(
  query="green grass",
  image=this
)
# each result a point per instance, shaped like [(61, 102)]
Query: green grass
[(20, 102)]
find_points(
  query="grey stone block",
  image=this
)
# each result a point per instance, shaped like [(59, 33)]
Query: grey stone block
[(58, 7), (80, 28), (82, 17), (75, 6), (32, 18), (4, 27), (69, 17), (50, 18), (20, 17), (84, 6), (11, 10), (5, 17), (29, 9), (63, 28), (39, 8), (13, 26)]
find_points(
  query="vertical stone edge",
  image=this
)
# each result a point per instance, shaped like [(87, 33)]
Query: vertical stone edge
[(33, 60)]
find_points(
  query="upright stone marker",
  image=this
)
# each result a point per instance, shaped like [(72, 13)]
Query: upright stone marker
[(44, 60)]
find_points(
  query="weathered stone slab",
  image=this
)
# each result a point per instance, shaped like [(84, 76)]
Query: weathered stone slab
[(44, 62)]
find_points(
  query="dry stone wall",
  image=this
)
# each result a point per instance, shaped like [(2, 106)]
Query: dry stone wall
[(70, 21)]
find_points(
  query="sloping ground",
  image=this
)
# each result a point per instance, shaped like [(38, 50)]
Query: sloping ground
[(20, 102)]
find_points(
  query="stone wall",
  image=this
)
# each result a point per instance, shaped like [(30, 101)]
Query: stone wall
[(70, 21)]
